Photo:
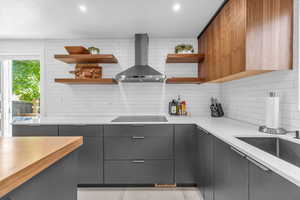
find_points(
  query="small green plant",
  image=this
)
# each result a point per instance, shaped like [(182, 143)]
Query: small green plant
[(26, 80), (94, 50), (184, 48)]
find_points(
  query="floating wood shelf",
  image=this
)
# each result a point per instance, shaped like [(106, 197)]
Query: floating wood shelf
[(184, 80), (86, 81), (87, 58), (185, 58)]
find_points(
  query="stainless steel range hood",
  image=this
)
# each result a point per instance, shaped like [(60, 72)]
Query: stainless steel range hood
[(141, 71)]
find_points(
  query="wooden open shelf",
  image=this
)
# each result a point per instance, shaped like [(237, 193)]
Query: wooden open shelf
[(87, 58), (86, 81), (185, 58), (184, 80)]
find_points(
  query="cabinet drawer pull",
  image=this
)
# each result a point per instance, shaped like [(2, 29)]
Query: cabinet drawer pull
[(79, 124), (137, 125), (238, 152), (34, 125), (137, 137), (138, 161), (261, 166)]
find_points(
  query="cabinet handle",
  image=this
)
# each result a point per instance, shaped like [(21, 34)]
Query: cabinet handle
[(238, 152), (34, 125), (199, 129), (261, 166), (137, 125), (202, 130), (137, 137), (138, 161)]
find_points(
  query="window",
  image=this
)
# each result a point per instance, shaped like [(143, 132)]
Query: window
[(20, 92), (25, 88)]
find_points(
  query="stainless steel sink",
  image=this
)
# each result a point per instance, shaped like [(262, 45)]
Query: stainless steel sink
[(141, 118), (283, 149)]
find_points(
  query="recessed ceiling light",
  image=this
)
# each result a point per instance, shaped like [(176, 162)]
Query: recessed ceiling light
[(176, 7), (82, 8)]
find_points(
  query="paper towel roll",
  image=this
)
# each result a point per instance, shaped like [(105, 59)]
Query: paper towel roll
[(272, 111)]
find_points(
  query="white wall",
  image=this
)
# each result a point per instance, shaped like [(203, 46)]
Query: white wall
[(245, 99), (128, 98)]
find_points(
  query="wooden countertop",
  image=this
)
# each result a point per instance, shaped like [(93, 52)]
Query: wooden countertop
[(21, 158)]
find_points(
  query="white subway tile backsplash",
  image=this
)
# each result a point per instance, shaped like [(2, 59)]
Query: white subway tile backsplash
[(127, 98), (244, 99)]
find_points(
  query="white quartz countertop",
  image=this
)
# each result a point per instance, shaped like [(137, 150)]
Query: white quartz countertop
[(101, 120), (223, 128)]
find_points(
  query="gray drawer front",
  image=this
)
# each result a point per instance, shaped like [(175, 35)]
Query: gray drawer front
[(81, 130), (138, 130), (147, 142), (34, 130), (136, 172)]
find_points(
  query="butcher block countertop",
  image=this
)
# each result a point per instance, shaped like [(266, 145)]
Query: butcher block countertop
[(21, 158)]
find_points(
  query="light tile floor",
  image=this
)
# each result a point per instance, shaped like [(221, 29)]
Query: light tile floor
[(139, 194)]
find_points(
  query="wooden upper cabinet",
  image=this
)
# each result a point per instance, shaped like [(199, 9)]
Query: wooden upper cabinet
[(247, 37)]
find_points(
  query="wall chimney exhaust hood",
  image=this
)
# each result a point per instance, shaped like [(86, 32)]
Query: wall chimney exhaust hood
[(141, 71)]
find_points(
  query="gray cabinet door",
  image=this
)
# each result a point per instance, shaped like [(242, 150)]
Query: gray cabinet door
[(138, 142), (267, 185), (138, 172), (34, 130), (208, 166), (90, 154), (200, 160), (230, 173), (57, 182), (185, 152)]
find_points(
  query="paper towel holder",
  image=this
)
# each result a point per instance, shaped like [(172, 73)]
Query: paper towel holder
[(272, 109)]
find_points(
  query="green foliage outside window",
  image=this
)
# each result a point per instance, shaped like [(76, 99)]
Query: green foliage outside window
[(26, 80)]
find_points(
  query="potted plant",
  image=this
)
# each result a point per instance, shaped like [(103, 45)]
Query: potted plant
[(94, 50), (184, 48)]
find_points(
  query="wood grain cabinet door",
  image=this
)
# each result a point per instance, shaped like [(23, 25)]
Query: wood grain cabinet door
[(246, 38)]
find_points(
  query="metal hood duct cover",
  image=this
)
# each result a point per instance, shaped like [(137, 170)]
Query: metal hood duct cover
[(141, 71)]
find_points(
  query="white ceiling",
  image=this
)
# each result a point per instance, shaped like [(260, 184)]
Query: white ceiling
[(104, 18)]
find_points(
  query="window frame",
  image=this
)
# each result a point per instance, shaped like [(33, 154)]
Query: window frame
[(33, 56)]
